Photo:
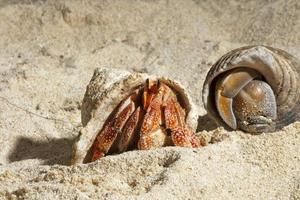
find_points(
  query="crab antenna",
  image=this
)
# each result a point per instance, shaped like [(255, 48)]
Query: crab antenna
[(158, 83), (145, 94), (147, 83)]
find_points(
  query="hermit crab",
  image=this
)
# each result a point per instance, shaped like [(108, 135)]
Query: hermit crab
[(123, 111), (254, 88)]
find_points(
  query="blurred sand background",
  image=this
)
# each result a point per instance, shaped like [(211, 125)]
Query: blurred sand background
[(48, 52)]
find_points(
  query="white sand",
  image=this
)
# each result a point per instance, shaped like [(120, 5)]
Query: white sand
[(48, 52)]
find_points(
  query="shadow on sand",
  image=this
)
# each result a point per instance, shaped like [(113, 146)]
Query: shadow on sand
[(52, 151), (205, 123)]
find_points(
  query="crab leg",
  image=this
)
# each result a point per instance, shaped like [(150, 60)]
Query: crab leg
[(184, 137), (151, 133), (104, 141), (129, 130), (108, 135), (175, 122)]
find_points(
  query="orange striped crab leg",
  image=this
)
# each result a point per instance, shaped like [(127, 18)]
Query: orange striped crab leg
[(174, 116), (113, 128), (129, 133)]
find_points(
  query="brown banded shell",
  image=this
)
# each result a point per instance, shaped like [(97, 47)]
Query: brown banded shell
[(107, 88), (254, 88)]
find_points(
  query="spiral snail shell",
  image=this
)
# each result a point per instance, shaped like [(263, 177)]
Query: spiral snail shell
[(254, 89)]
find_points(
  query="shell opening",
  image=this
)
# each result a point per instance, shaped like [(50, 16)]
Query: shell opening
[(121, 130), (240, 108)]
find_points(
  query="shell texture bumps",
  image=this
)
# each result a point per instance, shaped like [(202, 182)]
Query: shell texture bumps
[(107, 88), (275, 67)]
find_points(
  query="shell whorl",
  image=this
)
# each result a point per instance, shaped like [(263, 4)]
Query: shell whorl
[(279, 69)]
